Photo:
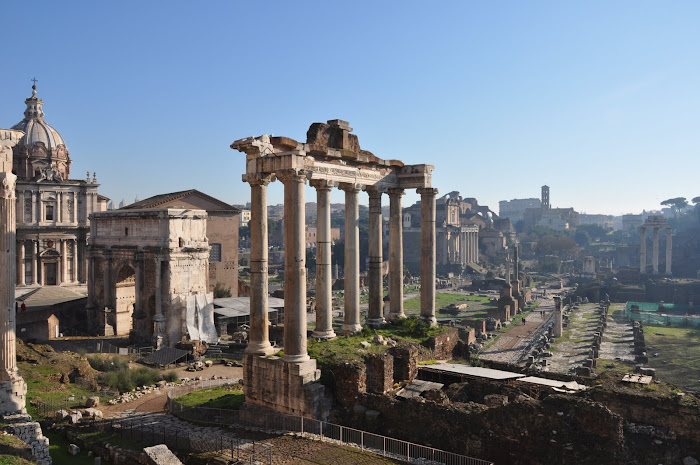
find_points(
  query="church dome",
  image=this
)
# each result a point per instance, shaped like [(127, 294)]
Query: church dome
[(35, 128), (42, 147)]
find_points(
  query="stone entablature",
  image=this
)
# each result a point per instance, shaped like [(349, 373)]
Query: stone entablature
[(330, 158), (144, 265)]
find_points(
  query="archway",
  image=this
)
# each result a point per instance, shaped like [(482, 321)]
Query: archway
[(125, 297)]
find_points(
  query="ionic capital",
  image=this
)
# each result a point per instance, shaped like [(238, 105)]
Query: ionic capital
[(292, 175), (374, 192), (259, 179), (322, 184), (396, 192), (7, 185), (350, 187), (427, 191)]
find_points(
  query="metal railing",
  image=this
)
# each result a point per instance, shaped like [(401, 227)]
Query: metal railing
[(313, 429)]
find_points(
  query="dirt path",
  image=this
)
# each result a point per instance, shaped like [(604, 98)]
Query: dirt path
[(511, 346)]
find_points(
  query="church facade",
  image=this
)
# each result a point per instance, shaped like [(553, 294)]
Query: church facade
[(53, 210)]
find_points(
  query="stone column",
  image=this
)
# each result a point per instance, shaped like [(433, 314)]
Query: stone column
[(643, 250), (75, 260), (294, 266), (351, 320), (324, 280), (427, 254), (37, 265), (35, 208), (159, 337), (375, 318), (395, 254), (476, 247), (12, 387), (668, 250), (445, 248), (64, 261), (259, 338), (20, 262), (109, 285), (655, 250), (558, 320)]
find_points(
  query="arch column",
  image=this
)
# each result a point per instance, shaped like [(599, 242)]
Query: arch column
[(324, 280), (395, 255), (294, 266), (351, 320), (669, 254), (375, 316), (642, 249), (655, 250), (259, 339), (427, 255)]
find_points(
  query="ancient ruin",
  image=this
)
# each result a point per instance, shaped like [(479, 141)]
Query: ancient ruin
[(331, 157), (655, 223), (148, 275)]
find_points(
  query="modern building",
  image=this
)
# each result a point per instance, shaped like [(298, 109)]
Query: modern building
[(515, 209), (53, 210)]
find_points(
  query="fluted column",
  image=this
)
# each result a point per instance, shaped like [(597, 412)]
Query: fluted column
[(395, 255), (294, 266), (375, 316), (20, 263), (8, 267), (427, 255), (669, 254), (655, 250), (324, 280), (351, 320), (642, 249), (259, 337), (476, 247)]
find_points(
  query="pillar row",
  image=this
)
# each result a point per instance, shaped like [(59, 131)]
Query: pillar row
[(655, 250)]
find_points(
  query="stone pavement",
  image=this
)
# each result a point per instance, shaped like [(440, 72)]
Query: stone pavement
[(512, 346)]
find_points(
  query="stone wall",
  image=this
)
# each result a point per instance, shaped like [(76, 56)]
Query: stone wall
[(443, 345), (22, 426), (380, 373)]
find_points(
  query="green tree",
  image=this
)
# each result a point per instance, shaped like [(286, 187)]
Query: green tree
[(677, 204), (220, 291)]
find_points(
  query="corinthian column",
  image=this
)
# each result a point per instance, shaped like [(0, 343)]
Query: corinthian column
[(294, 266), (324, 281), (427, 254), (655, 250), (351, 321), (375, 317), (395, 255), (259, 339), (11, 383)]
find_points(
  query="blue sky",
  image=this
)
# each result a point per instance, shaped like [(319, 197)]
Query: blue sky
[(598, 100)]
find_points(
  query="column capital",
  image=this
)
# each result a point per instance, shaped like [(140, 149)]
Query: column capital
[(259, 179), (292, 175), (322, 184), (7, 185), (350, 187), (396, 191), (374, 191), (427, 191)]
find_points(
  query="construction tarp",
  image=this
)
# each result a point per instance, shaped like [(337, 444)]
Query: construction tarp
[(200, 318)]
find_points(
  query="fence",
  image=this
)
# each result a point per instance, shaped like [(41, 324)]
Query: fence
[(315, 429), (672, 315)]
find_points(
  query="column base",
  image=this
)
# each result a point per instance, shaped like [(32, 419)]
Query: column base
[(351, 328), (431, 320), (395, 316), (259, 348), (296, 358), (13, 396), (376, 322), (327, 334)]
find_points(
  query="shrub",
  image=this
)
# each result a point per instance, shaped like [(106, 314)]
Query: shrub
[(106, 364), (171, 377), (125, 379)]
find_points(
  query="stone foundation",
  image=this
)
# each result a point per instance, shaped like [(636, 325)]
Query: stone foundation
[(13, 395), (22, 426), (291, 388)]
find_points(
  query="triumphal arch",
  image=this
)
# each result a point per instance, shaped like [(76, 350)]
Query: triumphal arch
[(330, 158)]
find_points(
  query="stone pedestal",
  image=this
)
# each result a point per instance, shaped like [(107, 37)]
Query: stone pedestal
[(291, 388)]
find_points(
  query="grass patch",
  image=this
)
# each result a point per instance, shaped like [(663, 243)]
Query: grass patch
[(58, 450), (679, 354), (224, 397)]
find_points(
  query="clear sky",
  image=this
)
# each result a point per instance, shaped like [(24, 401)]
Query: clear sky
[(597, 99)]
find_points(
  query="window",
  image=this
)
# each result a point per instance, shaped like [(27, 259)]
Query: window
[(49, 213), (215, 253)]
